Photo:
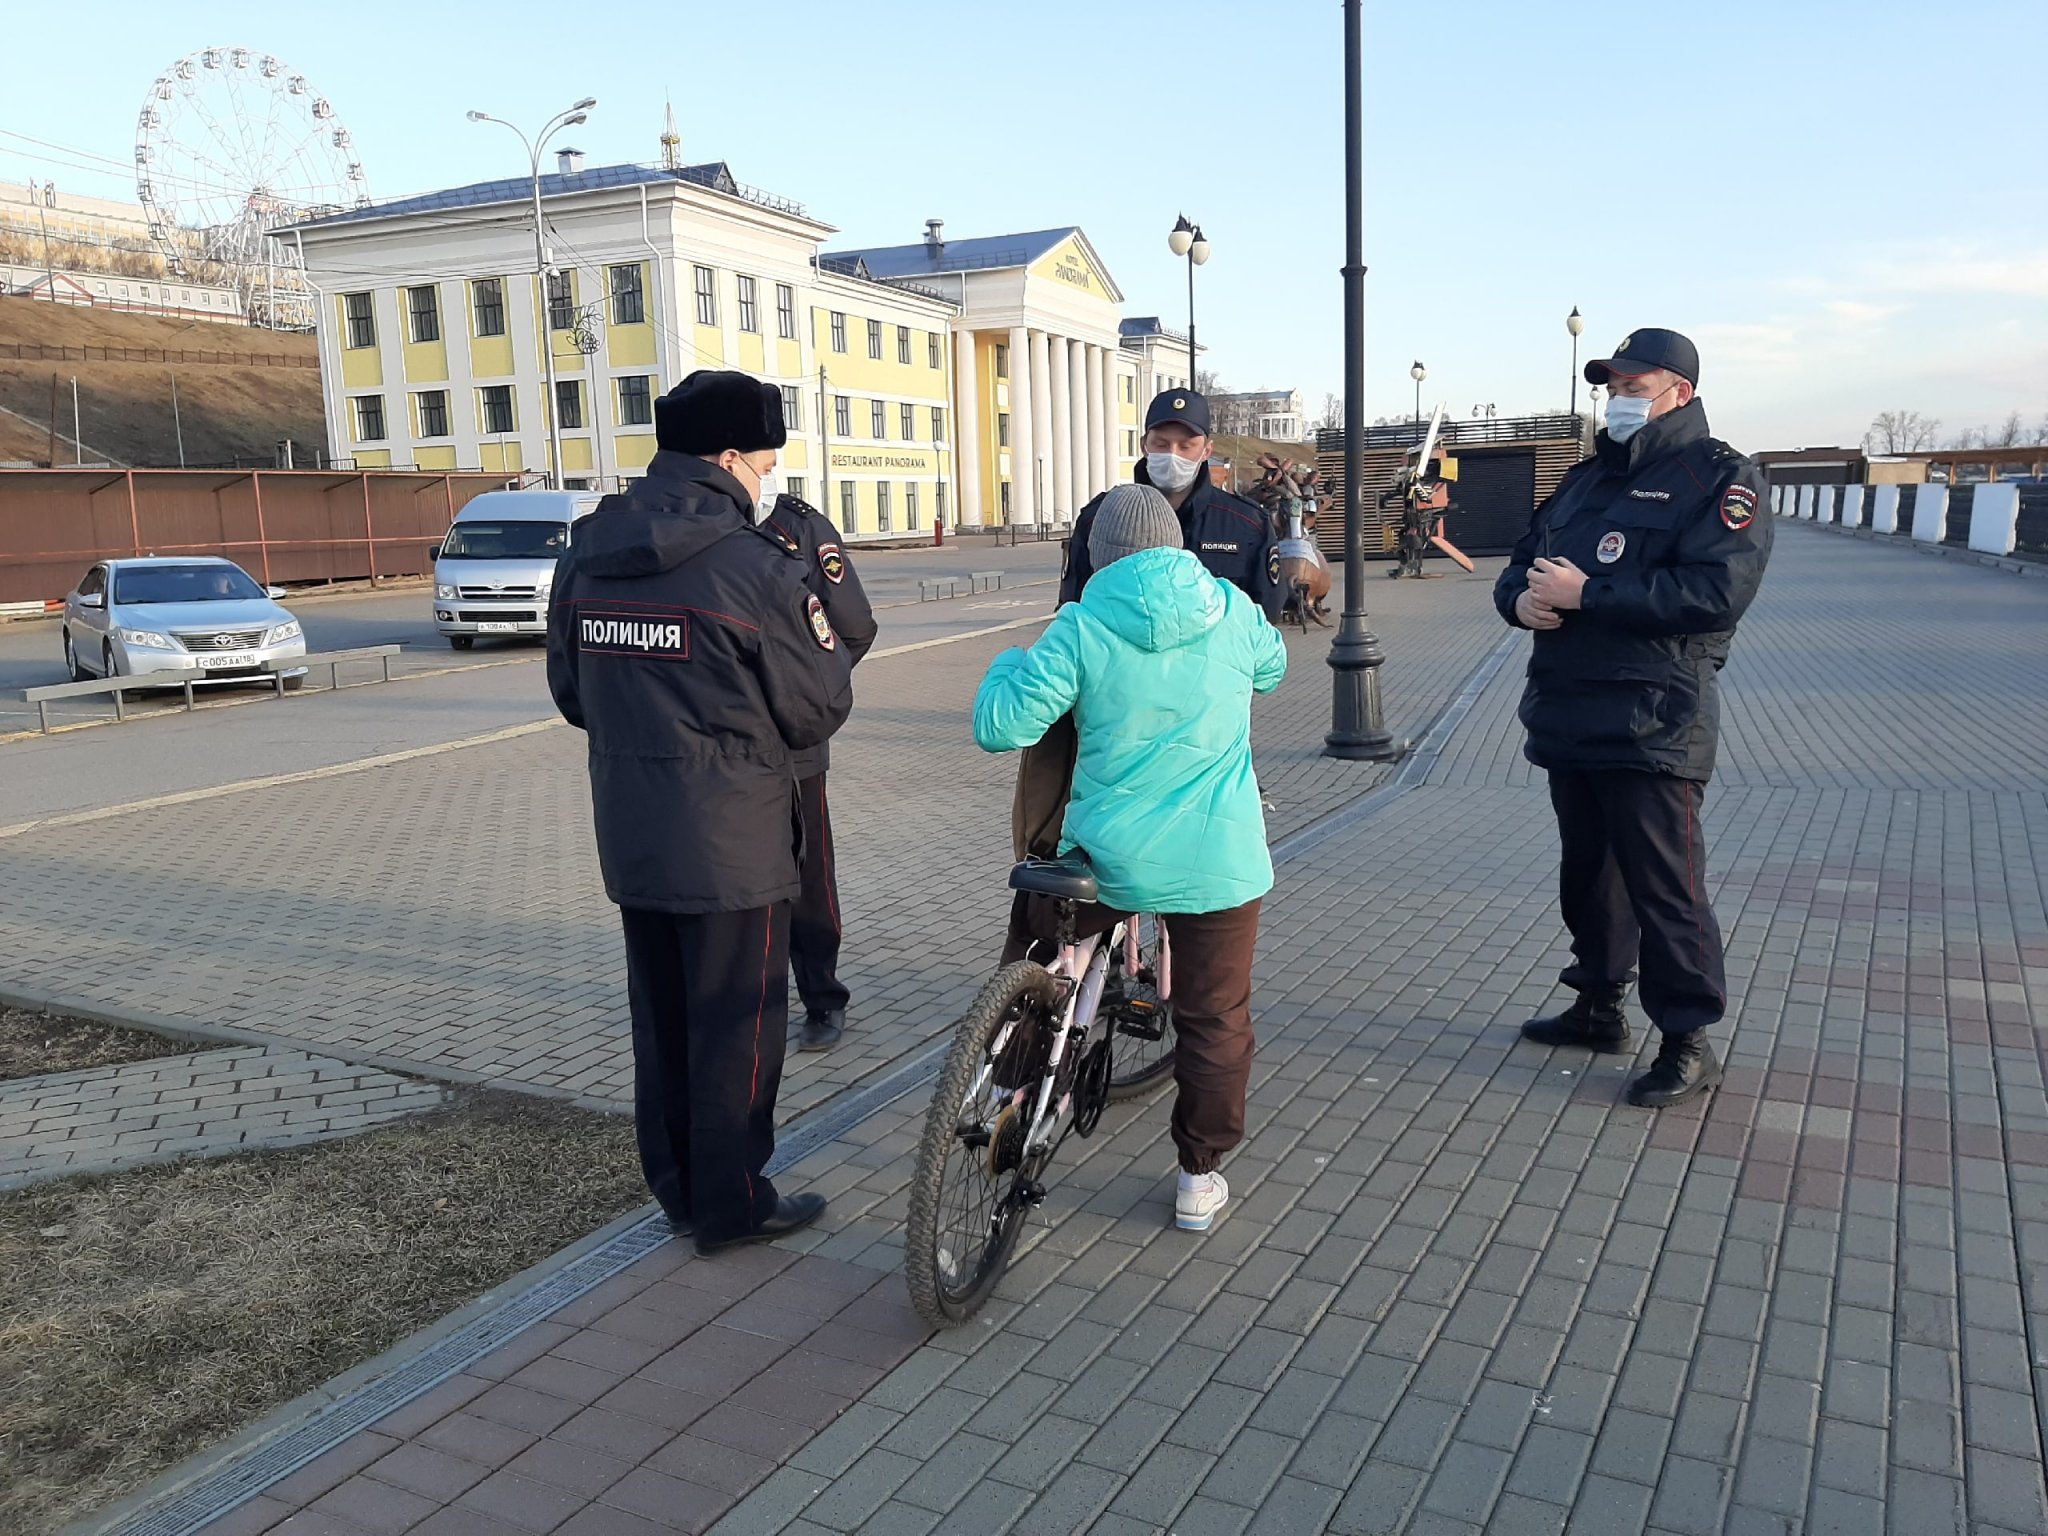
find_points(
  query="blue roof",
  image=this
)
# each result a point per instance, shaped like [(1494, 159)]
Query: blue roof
[(519, 189), (988, 254), (1138, 327)]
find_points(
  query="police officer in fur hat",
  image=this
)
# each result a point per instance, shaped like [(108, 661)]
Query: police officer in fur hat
[(684, 641)]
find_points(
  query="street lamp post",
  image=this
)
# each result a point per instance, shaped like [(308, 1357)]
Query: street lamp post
[(1188, 240), (1574, 324), (568, 118), (1356, 730), (1418, 373)]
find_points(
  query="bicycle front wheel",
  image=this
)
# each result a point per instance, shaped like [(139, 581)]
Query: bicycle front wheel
[(969, 1195)]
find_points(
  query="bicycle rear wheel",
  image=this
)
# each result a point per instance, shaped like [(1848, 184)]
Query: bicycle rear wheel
[(1141, 1023), (971, 1191)]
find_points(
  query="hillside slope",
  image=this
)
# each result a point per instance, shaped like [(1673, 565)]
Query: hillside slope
[(229, 411)]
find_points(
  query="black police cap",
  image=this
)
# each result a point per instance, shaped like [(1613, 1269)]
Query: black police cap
[(1182, 405), (1646, 351)]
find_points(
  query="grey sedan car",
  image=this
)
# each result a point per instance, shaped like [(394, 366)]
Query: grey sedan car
[(182, 616)]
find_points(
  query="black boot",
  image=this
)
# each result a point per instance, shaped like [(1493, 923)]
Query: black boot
[(1686, 1067), (820, 1031), (791, 1213), (1595, 1021)]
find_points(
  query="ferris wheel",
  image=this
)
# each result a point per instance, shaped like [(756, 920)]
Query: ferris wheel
[(230, 145)]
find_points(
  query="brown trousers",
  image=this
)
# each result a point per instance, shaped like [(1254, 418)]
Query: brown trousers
[(1211, 956)]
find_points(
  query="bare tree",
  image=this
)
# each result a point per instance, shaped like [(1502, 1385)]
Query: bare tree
[(2041, 432), (1900, 432), (2006, 434), (1332, 416), (1968, 437), (1209, 382)]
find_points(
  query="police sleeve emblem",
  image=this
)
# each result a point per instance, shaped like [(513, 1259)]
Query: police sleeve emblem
[(1273, 564), (1738, 507), (1611, 546), (832, 561), (821, 627)]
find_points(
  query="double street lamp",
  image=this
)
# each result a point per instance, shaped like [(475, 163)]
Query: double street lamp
[(567, 118), (1188, 240)]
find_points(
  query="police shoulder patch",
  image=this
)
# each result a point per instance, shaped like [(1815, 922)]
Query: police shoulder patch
[(1738, 507), (1273, 565), (821, 627), (832, 561)]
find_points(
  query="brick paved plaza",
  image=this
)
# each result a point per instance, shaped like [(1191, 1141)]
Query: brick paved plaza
[(1462, 1287)]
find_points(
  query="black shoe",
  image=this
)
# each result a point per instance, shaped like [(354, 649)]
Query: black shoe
[(820, 1031), (1595, 1021), (792, 1213), (1686, 1067)]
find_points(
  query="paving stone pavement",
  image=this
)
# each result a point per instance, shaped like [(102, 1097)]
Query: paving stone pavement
[(1462, 1286), (198, 1105), (444, 914)]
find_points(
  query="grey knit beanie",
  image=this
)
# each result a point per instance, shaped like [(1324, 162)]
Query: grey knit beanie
[(1131, 518)]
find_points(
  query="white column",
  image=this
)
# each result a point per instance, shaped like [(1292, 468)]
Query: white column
[(1112, 420), (1061, 479), (1039, 466), (1023, 504), (1098, 400), (1077, 405), (967, 429)]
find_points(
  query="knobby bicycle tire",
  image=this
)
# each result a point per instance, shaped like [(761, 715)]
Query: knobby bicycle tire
[(1022, 982)]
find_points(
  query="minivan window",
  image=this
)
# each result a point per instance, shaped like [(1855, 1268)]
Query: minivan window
[(505, 541), (184, 584)]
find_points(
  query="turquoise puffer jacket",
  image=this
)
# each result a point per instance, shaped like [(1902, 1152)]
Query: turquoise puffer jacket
[(1158, 662)]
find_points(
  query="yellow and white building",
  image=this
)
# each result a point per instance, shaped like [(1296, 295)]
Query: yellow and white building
[(972, 382)]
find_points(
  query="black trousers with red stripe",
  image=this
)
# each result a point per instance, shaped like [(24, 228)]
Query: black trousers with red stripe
[(1633, 887), (710, 1005), (814, 917)]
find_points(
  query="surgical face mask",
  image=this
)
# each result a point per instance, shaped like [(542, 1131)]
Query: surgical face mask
[(1629, 414), (1170, 472), (771, 487)]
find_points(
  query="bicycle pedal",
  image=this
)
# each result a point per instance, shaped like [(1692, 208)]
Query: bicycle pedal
[(1142, 1029)]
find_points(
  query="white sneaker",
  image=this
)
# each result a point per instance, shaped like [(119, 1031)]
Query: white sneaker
[(1197, 1199)]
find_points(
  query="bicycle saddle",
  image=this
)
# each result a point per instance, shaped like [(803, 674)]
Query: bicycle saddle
[(1067, 878)]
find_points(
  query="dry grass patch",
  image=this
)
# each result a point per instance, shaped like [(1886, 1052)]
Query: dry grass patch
[(35, 1043), (150, 1313)]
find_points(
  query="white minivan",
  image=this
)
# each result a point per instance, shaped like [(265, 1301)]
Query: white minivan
[(495, 569)]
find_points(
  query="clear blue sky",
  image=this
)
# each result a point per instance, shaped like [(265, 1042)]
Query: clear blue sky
[(1840, 200)]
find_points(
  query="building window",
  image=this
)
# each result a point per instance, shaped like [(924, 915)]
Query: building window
[(497, 402), (910, 507), (785, 311), (849, 510), (487, 295), (838, 331), (706, 282), (433, 412), (636, 400), (629, 304), (562, 301), (1002, 361), (423, 307), (792, 408), (903, 345), (875, 340), (939, 502), (569, 404), (1130, 443), (1002, 429), (369, 418), (883, 520), (932, 350), (750, 316), (842, 415), (878, 419), (938, 423), (909, 423), (362, 320), (795, 485)]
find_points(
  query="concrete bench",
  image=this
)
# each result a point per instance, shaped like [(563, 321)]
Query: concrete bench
[(931, 588), (119, 687), (987, 581)]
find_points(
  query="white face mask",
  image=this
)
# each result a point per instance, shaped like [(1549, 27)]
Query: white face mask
[(1170, 472), (1629, 414), (770, 489)]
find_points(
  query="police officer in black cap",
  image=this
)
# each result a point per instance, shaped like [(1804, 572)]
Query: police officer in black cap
[(1633, 575), (683, 639), (814, 930), (1230, 535)]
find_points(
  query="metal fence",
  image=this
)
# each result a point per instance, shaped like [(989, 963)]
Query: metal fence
[(31, 352)]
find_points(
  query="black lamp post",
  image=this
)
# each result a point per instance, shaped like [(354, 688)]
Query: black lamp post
[(1187, 240), (1418, 373), (1356, 730)]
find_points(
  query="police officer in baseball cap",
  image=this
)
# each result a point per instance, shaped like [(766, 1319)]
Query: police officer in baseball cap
[(1633, 576), (684, 641)]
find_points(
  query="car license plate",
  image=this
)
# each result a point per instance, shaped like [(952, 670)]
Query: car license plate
[(228, 662), (496, 629)]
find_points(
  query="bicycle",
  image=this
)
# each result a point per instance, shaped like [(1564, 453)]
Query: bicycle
[(1035, 1058)]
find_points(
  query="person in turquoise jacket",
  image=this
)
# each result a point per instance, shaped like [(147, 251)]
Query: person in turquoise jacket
[(1157, 662)]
